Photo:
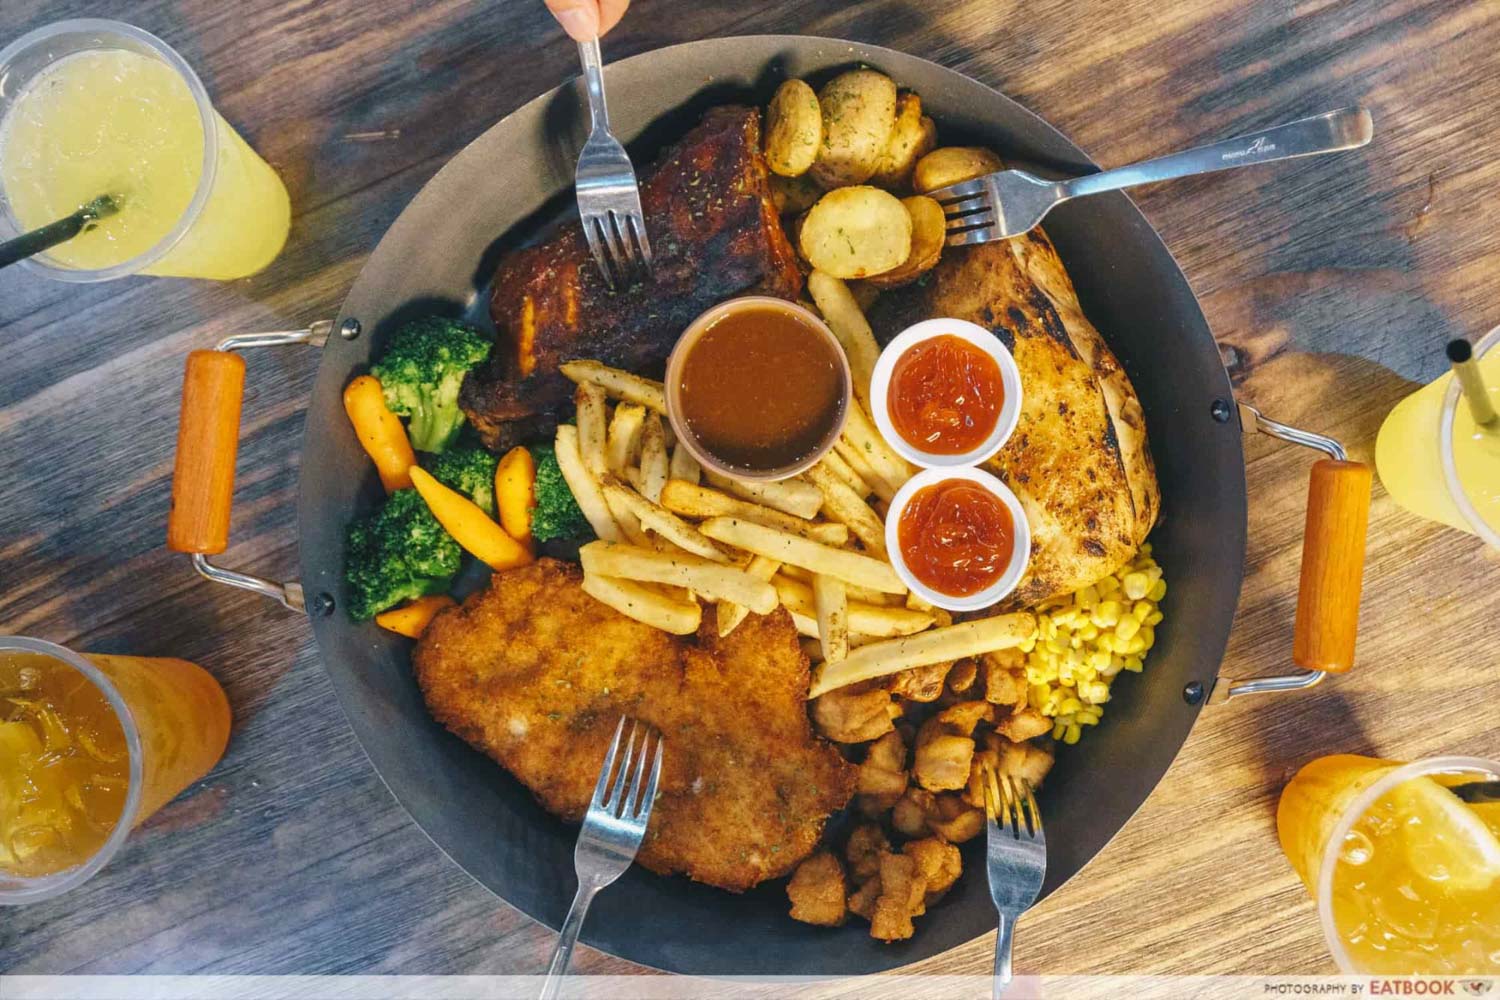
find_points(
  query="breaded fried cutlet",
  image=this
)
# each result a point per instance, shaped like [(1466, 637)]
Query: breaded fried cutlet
[(536, 674)]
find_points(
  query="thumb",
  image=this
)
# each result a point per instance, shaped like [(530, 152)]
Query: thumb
[(579, 18)]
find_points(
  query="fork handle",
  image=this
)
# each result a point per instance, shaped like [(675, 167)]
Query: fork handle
[(1346, 128), (593, 79), (557, 970), (1003, 935)]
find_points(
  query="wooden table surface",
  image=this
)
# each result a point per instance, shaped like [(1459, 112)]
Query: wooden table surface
[(1331, 285)]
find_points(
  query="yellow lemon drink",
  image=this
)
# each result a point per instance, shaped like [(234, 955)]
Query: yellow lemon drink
[(1406, 873), (1435, 462), (91, 746), (109, 109)]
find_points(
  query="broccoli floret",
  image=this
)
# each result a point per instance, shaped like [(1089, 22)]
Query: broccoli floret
[(421, 372), (556, 514), (395, 554), (468, 469)]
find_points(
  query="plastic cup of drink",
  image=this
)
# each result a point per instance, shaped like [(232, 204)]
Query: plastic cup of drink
[(216, 211), (1322, 822), (1435, 463), (175, 721)]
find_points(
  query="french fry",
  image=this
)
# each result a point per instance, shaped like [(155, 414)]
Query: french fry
[(834, 463), (633, 477), (844, 317), (592, 436), (654, 463), (729, 614), (618, 384), (685, 498), (860, 431), (872, 621), (881, 659), (713, 581), (858, 595), (833, 617), (630, 525), (684, 466), (624, 437), (842, 504), (861, 466), (851, 567), (585, 487), (796, 497), (634, 600), (662, 521)]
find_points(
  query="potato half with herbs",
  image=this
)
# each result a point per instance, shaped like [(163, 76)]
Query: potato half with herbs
[(794, 129), (929, 228), (859, 112), (951, 164), (913, 136), (854, 232)]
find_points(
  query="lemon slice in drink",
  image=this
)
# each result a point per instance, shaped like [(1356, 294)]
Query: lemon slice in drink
[(1446, 841)]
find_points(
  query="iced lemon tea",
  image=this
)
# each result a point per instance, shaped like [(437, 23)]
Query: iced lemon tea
[(1403, 860), (91, 746)]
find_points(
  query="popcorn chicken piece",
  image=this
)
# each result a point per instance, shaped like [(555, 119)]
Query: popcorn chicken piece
[(882, 775), (961, 678), (922, 684), (1005, 678), (961, 718), (902, 891), (1024, 725), (942, 758), (956, 821), (863, 850), (1025, 760), (855, 714), (910, 814), (862, 900), (817, 891), (989, 757), (939, 863)]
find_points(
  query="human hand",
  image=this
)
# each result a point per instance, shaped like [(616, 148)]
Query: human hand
[(585, 20)]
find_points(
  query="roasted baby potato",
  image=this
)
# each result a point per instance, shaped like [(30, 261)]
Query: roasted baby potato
[(859, 112), (817, 891), (929, 228), (912, 137), (855, 232), (794, 129), (794, 195), (952, 164)]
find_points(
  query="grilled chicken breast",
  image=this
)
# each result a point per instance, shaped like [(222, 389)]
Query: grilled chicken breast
[(1078, 460), (714, 234), (536, 674)]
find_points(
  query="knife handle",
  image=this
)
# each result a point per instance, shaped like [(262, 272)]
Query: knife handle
[(208, 438), (1333, 565)]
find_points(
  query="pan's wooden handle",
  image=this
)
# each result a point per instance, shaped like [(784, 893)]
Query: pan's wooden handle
[(208, 439), (1333, 565)]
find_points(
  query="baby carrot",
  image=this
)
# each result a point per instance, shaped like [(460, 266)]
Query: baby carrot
[(411, 619), (380, 432), (469, 525), (515, 479)]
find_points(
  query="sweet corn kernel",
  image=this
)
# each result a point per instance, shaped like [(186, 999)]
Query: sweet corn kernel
[(1141, 609), (1158, 591), (1135, 585), (1127, 628), (1071, 734)]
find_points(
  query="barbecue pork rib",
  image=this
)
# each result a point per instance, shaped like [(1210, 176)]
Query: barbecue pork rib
[(714, 233)]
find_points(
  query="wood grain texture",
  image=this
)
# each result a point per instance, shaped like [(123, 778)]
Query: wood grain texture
[(1333, 565), (1331, 285)]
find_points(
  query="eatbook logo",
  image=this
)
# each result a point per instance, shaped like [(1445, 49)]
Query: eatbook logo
[(1258, 146), (1478, 987)]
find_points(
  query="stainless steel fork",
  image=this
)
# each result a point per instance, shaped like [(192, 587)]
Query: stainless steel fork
[(1016, 857), (612, 832), (1010, 202), (609, 199)]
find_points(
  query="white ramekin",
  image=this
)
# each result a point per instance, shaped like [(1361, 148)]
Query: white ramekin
[(1020, 553), (1010, 379)]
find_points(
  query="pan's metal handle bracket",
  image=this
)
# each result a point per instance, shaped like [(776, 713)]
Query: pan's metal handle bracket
[(1253, 421), (289, 593)]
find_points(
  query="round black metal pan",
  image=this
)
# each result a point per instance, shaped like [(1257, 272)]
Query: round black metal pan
[(438, 257)]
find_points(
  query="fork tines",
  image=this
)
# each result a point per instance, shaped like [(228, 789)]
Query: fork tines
[(1009, 802), (969, 209), (627, 784), (620, 246)]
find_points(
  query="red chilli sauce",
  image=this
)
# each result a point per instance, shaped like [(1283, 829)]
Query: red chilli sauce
[(945, 395), (956, 537)]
